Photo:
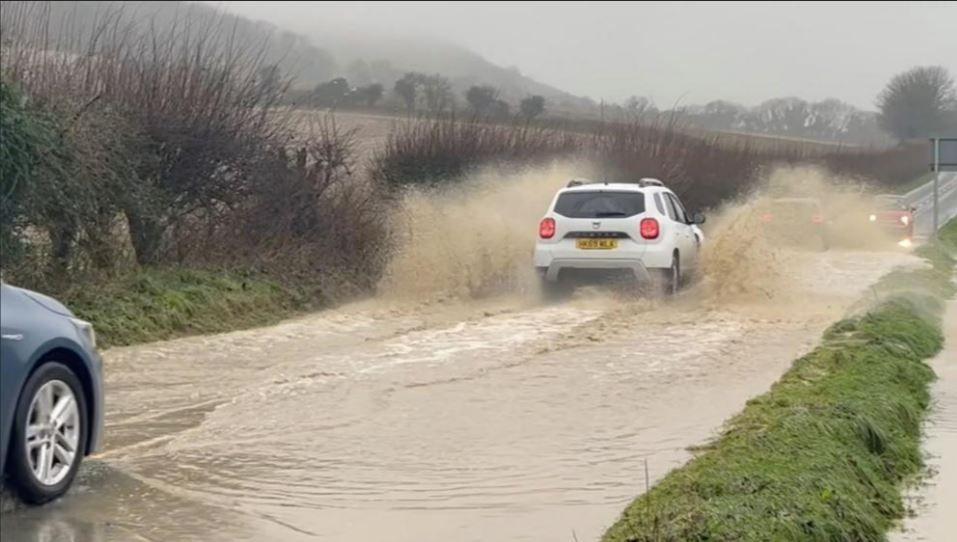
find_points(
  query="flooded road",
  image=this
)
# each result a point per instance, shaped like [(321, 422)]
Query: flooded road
[(505, 419)]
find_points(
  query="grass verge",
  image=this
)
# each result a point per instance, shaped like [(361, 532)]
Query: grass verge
[(155, 304), (822, 454), (915, 184)]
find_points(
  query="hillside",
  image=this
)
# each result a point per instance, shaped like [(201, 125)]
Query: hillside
[(74, 24), (309, 60), (383, 59)]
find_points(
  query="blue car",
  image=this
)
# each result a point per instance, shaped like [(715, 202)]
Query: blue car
[(51, 393)]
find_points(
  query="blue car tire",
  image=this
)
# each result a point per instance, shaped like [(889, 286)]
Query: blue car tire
[(23, 457)]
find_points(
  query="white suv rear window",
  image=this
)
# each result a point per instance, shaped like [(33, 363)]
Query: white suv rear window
[(600, 204)]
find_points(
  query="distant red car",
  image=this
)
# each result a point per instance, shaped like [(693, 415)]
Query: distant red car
[(894, 216)]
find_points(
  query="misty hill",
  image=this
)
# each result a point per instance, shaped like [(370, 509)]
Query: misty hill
[(309, 60), (74, 24), (375, 58), (384, 59)]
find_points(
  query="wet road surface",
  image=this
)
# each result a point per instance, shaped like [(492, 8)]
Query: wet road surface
[(923, 199)]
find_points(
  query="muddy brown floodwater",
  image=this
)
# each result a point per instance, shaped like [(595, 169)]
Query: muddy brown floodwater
[(506, 419)]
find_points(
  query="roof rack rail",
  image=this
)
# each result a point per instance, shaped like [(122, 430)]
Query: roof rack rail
[(648, 181), (578, 182)]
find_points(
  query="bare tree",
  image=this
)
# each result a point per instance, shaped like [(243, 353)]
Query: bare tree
[(499, 110), (332, 93), (407, 88), (436, 93), (270, 79), (920, 102), (371, 94), (481, 98), (532, 106)]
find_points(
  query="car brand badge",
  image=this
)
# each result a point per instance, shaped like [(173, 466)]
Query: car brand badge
[(595, 225)]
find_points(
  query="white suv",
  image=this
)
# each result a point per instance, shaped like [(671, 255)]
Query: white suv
[(639, 228)]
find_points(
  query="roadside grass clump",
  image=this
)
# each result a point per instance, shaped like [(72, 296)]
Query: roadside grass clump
[(153, 304), (916, 182), (822, 455)]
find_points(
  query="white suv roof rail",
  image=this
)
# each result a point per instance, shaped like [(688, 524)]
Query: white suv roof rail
[(644, 182)]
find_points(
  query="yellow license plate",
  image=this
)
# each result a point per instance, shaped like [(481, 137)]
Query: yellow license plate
[(596, 244)]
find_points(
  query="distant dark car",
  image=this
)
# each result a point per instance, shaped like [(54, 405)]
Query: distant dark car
[(795, 221), (892, 215), (51, 393)]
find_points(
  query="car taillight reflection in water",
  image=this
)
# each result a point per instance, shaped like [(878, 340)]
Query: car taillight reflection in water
[(546, 228), (649, 228)]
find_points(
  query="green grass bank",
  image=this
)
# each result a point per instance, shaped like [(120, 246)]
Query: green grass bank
[(822, 455), (153, 304)]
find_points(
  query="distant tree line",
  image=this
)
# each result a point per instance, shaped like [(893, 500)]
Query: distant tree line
[(827, 120), (918, 103), (416, 92)]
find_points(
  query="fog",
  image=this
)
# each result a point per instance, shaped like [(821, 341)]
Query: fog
[(685, 52)]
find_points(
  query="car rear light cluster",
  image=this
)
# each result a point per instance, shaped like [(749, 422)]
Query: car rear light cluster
[(546, 228), (649, 228)]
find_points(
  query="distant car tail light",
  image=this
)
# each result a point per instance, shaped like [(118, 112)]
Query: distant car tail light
[(649, 228), (817, 219), (767, 218), (546, 228)]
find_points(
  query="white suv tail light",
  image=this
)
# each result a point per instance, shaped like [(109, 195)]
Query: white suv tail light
[(546, 228), (649, 228)]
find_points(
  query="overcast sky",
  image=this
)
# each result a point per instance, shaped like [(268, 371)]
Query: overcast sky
[(696, 52)]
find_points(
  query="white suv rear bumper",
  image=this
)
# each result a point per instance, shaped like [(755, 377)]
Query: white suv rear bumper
[(550, 272), (551, 258)]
